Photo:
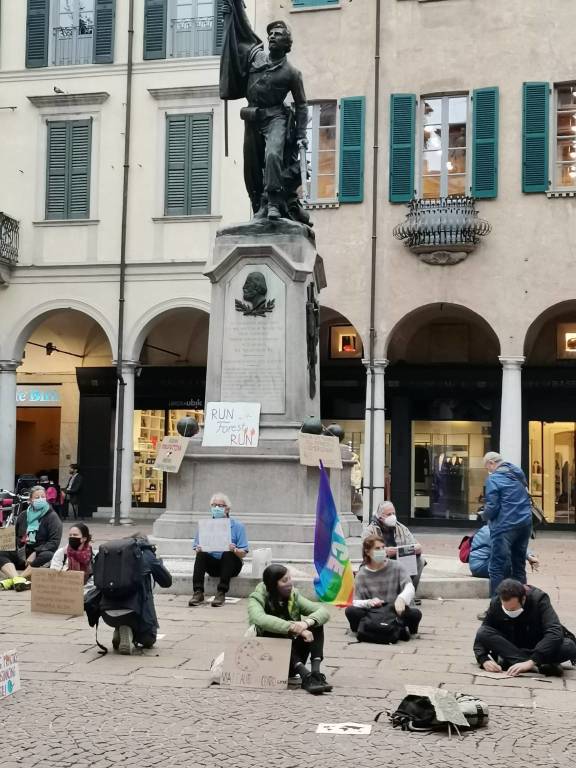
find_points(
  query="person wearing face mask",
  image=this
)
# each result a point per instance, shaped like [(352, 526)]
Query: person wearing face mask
[(385, 524), (522, 633), (38, 534), (276, 609), (381, 581), (77, 555), (223, 565)]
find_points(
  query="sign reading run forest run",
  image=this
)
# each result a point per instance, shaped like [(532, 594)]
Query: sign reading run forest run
[(234, 425), (9, 674)]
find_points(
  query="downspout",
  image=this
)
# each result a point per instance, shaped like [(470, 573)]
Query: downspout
[(372, 336), (122, 289)]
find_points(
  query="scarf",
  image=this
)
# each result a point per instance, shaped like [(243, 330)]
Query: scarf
[(79, 559), (33, 518)]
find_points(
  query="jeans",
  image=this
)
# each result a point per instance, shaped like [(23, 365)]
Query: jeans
[(502, 648), (301, 650), (411, 617), (225, 568), (508, 558)]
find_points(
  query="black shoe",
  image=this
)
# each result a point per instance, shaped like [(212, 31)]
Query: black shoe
[(320, 678), (312, 685), (551, 670), (405, 634), (116, 639), (219, 599)]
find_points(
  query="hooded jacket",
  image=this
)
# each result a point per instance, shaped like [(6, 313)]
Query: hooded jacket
[(298, 606), (507, 502)]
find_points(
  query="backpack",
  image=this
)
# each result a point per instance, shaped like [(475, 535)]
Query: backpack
[(417, 713), (118, 569), (381, 625), (464, 548)]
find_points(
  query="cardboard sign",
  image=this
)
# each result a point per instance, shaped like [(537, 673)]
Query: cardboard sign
[(235, 425), (171, 452), (407, 558), (214, 535), (257, 662), (8, 539), (57, 592), (319, 448), (9, 674)]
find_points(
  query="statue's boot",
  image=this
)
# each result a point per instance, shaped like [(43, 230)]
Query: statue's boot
[(274, 203)]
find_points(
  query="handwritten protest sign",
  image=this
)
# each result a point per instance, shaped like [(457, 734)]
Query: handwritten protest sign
[(9, 674), (316, 448), (8, 539), (171, 452), (57, 592), (214, 535), (407, 558), (232, 425), (257, 662)]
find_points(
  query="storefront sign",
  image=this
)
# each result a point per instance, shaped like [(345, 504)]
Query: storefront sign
[(9, 674), (170, 453), (319, 448), (57, 592), (232, 425), (33, 395)]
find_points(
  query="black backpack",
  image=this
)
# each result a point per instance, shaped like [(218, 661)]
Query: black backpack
[(417, 713), (118, 569), (380, 625)]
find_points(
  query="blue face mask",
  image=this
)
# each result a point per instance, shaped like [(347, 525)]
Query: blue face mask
[(218, 511), (40, 505)]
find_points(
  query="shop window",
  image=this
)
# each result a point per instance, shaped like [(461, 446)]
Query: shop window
[(552, 475), (444, 146), (345, 343), (566, 341), (565, 137)]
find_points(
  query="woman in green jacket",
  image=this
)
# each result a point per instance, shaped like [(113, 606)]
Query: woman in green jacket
[(276, 609)]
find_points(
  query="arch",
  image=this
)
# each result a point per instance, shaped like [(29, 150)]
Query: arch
[(448, 314), (145, 323), (328, 318), (23, 329), (540, 340)]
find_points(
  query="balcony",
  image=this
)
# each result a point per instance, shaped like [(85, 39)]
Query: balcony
[(9, 232), (192, 37), (442, 231), (72, 45)]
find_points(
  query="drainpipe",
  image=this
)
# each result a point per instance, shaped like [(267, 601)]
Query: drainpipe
[(372, 336), (122, 288)]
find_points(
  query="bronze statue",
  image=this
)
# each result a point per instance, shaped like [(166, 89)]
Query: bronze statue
[(254, 292), (275, 133)]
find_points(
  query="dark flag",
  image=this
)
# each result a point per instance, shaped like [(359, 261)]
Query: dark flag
[(237, 47)]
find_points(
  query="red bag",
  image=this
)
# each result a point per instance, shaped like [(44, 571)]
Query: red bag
[(464, 548)]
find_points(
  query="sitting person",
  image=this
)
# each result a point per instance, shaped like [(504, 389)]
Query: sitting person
[(38, 534), (480, 550), (385, 524), (276, 609), (380, 581), (224, 565), (522, 633), (78, 555)]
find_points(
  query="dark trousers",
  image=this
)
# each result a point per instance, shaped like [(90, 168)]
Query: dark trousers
[(264, 142), (225, 568), (411, 617), (70, 504), (301, 650), (501, 648), (508, 556), (142, 634)]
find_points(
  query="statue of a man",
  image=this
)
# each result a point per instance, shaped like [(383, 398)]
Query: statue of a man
[(274, 132)]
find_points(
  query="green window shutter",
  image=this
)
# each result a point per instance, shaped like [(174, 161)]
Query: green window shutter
[(402, 138), (485, 143), (352, 118), (176, 156), (188, 165), (155, 25), (105, 12), (56, 172), (311, 3), (535, 126), (200, 161), (37, 33), (68, 169), (218, 27)]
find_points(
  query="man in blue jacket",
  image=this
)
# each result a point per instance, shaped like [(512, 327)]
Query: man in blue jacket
[(481, 550), (508, 512)]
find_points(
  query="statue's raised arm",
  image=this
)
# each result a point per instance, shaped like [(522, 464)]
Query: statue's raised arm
[(239, 43)]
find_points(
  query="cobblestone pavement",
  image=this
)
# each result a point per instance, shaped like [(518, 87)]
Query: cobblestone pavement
[(77, 708)]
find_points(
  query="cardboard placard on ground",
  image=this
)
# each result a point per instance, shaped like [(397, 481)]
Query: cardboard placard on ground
[(8, 539), (171, 452), (319, 448), (57, 592), (257, 662), (407, 558), (214, 535), (236, 425), (9, 674)]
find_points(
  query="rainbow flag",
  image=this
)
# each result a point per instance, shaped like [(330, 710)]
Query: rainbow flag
[(335, 580)]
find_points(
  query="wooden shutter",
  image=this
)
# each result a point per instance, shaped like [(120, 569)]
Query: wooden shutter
[(104, 16), (535, 126), (155, 25), (200, 160), (176, 156), (402, 136), (485, 143), (56, 170), (188, 165), (351, 181), (218, 26), (37, 33), (68, 169)]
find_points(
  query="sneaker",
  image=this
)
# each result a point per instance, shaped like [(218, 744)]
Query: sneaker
[(551, 670), (320, 678), (312, 685), (7, 584), (197, 598), (21, 584), (116, 639), (125, 644), (219, 599)]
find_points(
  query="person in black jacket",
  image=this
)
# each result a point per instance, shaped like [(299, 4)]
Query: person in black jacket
[(522, 633), (38, 534)]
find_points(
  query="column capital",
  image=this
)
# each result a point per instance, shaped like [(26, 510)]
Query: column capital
[(513, 362), (9, 366), (379, 365)]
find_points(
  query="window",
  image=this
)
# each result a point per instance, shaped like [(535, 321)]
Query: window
[(565, 132), (73, 32), (444, 145), (188, 165), (68, 169), (181, 28), (321, 154)]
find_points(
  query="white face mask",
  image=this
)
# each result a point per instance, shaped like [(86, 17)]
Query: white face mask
[(390, 521), (378, 556), (513, 614)]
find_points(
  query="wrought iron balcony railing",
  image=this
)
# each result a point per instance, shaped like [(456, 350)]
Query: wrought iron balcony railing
[(442, 230), (9, 233), (193, 37), (73, 45)]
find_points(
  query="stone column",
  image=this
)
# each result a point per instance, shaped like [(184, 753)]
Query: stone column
[(8, 423), (511, 409), (374, 420), (127, 453)]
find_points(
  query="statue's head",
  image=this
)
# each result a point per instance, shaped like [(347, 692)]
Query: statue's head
[(255, 289), (279, 37)]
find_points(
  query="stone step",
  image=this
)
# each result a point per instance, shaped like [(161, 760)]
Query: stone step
[(283, 551)]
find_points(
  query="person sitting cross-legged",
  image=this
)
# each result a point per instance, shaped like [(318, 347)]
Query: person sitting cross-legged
[(522, 633), (224, 565)]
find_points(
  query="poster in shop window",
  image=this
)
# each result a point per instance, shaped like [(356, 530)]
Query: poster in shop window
[(171, 452)]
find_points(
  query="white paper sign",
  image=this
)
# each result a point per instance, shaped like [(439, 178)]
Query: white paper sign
[(407, 558), (9, 674), (357, 729), (232, 425), (214, 535), (171, 452)]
